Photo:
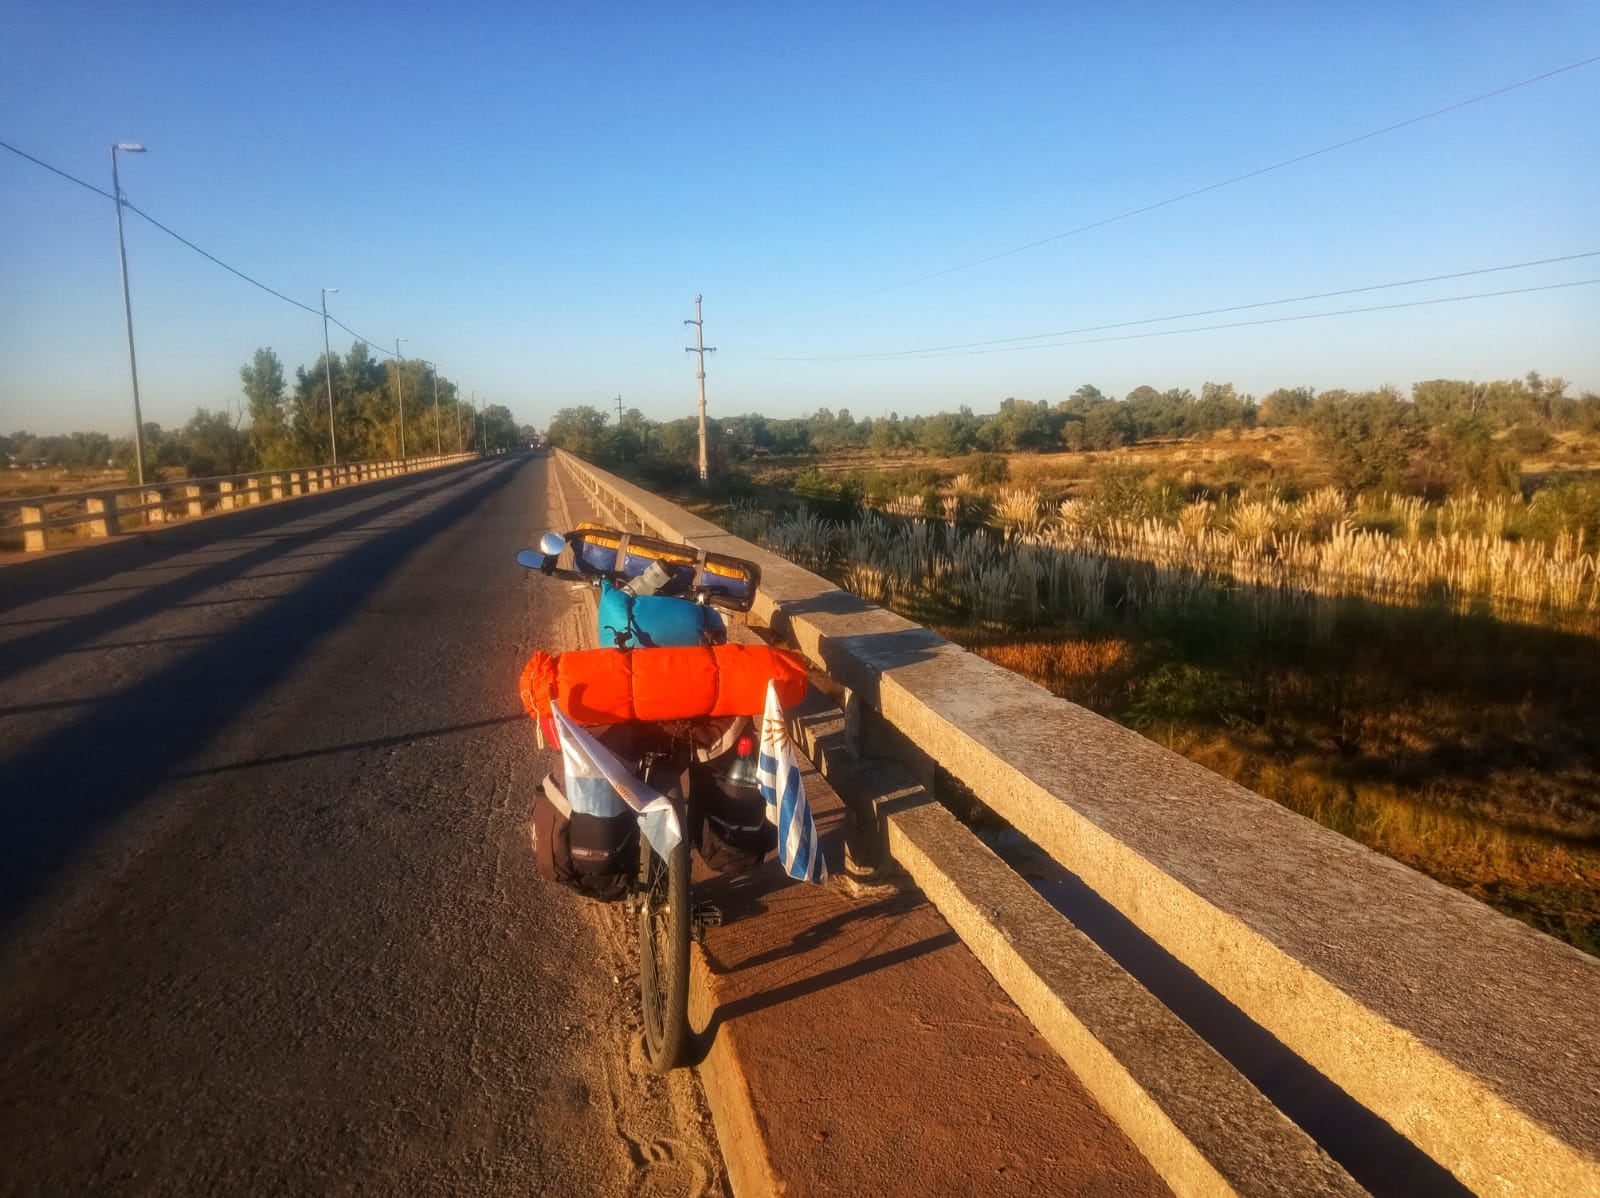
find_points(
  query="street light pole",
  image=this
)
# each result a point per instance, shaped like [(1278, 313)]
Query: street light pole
[(437, 445), (400, 395), (461, 444), (128, 147), (327, 364)]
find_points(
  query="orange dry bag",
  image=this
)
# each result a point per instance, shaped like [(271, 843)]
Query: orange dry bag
[(613, 686)]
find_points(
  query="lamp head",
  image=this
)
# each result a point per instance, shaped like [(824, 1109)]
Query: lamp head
[(129, 147)]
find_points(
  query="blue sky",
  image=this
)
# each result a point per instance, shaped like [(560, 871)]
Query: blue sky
[(533, 195)]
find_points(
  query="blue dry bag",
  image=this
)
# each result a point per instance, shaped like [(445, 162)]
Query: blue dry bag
[(654, 621)]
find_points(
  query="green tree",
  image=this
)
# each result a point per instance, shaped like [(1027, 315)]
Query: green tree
[(1024, 426), (499, 427), (581, 430), (1286, 405), (1367, 438), (1473, 460), (210, 444), (1220, 407), (949, 434), (264, 392), (1107, 425)]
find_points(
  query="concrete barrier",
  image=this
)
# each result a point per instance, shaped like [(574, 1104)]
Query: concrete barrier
[(1470, 1034)]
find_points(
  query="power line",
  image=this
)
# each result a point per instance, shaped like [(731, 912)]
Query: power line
[(367, 341), (1189, 195), (176, 236), (934, 350), (1241, 324), (54, 169), (212, 257)]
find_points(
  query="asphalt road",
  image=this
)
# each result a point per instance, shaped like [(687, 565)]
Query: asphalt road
[(268, 917)]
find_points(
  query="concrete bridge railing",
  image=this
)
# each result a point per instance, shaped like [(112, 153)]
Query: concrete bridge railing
[(114, 510), (1474, 1037)]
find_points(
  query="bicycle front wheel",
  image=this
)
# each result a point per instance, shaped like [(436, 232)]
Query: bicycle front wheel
[(664, 950)]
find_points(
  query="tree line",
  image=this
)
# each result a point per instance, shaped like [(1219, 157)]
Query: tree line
[(1466, 433), (275, 426)]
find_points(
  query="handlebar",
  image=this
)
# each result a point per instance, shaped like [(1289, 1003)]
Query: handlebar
[(608, 555)]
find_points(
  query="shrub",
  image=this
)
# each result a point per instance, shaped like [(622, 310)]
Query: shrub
[(1528, 440), (1567, 507), (990, 469), (1186, 694)]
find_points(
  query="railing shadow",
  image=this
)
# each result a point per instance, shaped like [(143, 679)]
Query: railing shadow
[(26, 651), (29, 579), (63, 790), (1370, 1150)]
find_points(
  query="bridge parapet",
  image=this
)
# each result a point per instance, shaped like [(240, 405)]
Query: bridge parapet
[(1473, 1036)]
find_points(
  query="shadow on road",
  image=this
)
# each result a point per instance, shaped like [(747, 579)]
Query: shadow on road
[(30, 578), (811, 984), (381, 742), (64, 790), (64, 634)]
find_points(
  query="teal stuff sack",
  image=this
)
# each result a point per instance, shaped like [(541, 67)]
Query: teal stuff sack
[(654, 621)]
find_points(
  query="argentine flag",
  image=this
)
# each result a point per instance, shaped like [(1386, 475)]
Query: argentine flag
[(599, 783), (778, 776)]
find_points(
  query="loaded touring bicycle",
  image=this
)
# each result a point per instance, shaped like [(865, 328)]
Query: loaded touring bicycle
[(661, 737)]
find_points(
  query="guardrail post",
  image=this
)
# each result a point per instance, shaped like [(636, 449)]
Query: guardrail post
[(225, 496), (157, 514), (252, 490), (297, 482), (107, 525), (196, 503), (277, 486), (33, 530)]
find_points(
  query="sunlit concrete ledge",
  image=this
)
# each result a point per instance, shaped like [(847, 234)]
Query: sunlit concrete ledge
[(1472, 1035)]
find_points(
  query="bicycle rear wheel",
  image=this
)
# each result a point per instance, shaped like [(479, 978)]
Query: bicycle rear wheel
[(664, 950)]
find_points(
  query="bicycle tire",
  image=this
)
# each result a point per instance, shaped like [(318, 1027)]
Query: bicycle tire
[(664, 918)]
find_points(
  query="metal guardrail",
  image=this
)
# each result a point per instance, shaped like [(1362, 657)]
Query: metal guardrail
[(114, 510), (1470, 1034)]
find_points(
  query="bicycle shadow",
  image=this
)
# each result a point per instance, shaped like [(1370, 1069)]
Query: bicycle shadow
[(781, 940)]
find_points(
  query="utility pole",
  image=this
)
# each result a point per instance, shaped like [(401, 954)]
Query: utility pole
[(700, 349), (129, 147), (434, 366), (400, 395), (621, 447), (327, 366), (461, 445)]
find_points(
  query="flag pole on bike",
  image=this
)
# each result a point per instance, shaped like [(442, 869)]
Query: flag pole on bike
[(778, 775)]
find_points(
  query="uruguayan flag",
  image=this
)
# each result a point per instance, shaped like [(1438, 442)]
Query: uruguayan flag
[(778, 775), (598, 783)]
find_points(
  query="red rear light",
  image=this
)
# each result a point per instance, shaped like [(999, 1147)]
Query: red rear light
[(745, 747)]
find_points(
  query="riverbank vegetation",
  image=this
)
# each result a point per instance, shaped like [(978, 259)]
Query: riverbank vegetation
[(1382, 611)]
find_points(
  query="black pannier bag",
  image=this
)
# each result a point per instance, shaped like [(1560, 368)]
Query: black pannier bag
[(594, 855), (731, 833)]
